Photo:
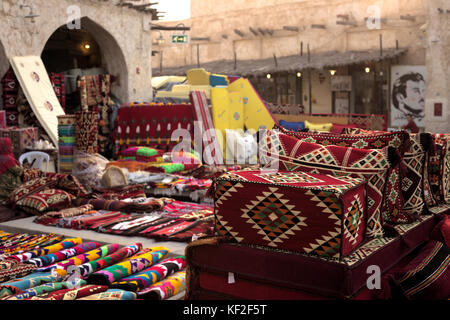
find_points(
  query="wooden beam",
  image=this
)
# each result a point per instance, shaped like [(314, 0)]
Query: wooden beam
[(239, 32), (253, 31), (291, 28)]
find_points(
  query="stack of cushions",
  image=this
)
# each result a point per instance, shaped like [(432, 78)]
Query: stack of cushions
[(310, 213), (288, 153), (392, 207), (66, 142), (46, 192), (141, 154), (439, 169), (10, 170)]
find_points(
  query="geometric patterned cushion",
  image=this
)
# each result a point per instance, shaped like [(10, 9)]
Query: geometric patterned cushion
[(291, 154), (33, 186), (303, 212), (427, 276), (439, 169), (412, 182), (49, 199), (393, 199)]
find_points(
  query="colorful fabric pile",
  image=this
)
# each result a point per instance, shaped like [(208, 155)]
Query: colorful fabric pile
[(66, 143), (70, 269)]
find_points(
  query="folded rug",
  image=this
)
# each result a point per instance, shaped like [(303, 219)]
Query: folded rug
[(67, 243), (126, 268), (166, 288), (121, 254), (71, 294), (30, 281), (44, 289), (48, 259), (147, 277)]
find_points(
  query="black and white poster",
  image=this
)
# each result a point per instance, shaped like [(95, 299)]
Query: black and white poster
[(408, 85)]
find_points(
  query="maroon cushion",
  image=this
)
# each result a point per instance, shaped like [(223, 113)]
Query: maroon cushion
[(338, 128), (427, 276)]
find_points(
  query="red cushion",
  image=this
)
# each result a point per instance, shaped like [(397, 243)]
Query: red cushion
[(337, 128)]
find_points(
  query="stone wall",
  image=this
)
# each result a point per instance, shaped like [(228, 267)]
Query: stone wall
[(438, 66), (121, 32), (218, 19)]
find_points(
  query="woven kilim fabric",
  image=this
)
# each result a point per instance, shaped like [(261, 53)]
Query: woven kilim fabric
[(151, 125), (43, 289), (392, 198), (304, 212), (292, 154), (165, 288), (123, 269), (71, 294), (203, 115), (86, 132), (150, 276), (63, 254), (30, 281), (439, 168), (67, 243), (112, 294), (413, 180), (16, 271), (62, 267), (121, 254)]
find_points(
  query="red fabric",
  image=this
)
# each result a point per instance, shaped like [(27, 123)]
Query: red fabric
[(311, 213), (337, 128), (411, 126), (442, 231), (272, 267)]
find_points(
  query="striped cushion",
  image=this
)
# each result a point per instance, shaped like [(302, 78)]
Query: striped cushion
[(427, 276)]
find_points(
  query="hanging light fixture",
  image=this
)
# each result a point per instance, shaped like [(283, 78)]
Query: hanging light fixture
[(299, 74), (160, 39), (367, 69), (333, 72), (268, 76), (87, 46)]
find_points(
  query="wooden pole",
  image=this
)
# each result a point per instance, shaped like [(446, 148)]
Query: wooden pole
[(198, 56), (161, 63), (235, 60), (309, 81), (301, 48), (381, 75)]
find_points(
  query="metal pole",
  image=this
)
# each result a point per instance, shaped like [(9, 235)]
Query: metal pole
[(161, 63), (381, 75), (198, 56)]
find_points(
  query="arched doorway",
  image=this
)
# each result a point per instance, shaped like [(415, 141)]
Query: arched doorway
[(90, 49)]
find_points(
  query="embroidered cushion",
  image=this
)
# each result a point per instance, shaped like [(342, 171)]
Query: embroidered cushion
[(49, 199), (292, 154), (142, 154), (393, 200), (311, 213), (427, 276), (439, 169), (35, 185)]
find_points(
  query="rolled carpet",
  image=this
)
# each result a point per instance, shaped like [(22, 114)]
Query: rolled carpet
[(126, 268), (43, 289), (121, 254), (150, 276), (166, 288), (112, 294), (48, 259)]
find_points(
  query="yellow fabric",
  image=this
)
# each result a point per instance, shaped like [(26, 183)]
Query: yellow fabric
[(256, 115), (236, 111), (198, 76), (318, 126)]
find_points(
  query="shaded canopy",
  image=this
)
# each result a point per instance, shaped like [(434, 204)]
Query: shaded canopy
[(295, 63)]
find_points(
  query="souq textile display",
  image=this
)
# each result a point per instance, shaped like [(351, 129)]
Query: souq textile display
[(119, 255), (66, 143), (43, 289), (112, 294), (209, 135), (304, 212), (38, 89), (120, 270), (150, 276), (67, 243), (63, 254), (61, 267), (293, 154), (151, 125), (71, 294), (86, 132), (21, 284), (165, 288), (392, 210)]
